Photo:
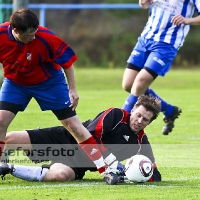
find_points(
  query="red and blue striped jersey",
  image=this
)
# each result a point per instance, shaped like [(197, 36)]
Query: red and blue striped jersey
[(36, 61)]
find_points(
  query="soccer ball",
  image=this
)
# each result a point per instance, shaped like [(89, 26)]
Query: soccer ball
[(139, 168)]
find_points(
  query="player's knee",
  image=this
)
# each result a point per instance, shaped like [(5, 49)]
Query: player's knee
[(62, 176), (126, 87), (10, 138), (60, 173)]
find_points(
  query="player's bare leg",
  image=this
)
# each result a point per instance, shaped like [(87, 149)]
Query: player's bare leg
[(142, 81), (90, 147), (6, 118)]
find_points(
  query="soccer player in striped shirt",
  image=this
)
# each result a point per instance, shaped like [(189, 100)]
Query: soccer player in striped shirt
[(165, 32)]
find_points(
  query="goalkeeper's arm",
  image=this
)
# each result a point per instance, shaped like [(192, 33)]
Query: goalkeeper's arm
[(156, 177)]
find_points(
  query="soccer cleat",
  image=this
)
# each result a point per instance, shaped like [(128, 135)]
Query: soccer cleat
[(169, 121), (5, 169), (111, 178)]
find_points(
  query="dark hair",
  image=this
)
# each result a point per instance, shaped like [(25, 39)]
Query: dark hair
[(151, 104), (24, 19)]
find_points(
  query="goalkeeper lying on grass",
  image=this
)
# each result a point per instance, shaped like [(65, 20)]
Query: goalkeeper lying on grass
[(120, 135)]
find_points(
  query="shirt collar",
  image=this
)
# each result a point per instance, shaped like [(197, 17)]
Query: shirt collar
[(10, 35)]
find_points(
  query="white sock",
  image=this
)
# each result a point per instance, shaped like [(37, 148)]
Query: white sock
[(5, 156), (29, 173)]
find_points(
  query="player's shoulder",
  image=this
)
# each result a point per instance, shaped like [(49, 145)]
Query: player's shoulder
[(119, 113), (44, 31), (4, 26), (44, 34), (114, 110)]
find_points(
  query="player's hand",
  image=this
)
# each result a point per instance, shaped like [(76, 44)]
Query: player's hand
[(117, 168), (120, 171), (145, 3), (120, 168), (114, 165), (177, 20), (73, 98)]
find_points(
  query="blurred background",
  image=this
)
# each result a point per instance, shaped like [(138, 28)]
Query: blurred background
[(104, 37)]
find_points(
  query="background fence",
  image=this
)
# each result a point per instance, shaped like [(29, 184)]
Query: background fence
[(8, 7), (102, 34)]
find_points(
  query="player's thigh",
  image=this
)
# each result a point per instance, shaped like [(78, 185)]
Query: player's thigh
[(5, 118), (128, 79), (76, 128), (18, 140), (139, 53), (60, 172), (54, 96), (142, 82), (13, 97), (160, 59)]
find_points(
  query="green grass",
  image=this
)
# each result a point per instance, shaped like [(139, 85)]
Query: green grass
[(177, 155)]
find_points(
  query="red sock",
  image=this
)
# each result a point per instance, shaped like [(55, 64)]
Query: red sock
[(2, 144), (91, 148)]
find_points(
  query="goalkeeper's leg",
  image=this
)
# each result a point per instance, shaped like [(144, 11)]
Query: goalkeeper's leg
[(58, 172)]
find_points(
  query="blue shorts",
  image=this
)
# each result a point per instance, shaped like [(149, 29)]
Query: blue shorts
[(52, 94), (157, 56)]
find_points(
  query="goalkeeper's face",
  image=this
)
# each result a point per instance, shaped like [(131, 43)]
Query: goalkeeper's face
[(140, 118)]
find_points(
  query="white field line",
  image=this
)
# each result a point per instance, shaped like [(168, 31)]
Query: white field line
[(183, 178), (88, 184)]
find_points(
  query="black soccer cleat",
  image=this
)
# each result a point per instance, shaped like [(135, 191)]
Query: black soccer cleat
[(111, 178), (169, 121), (5, 169)]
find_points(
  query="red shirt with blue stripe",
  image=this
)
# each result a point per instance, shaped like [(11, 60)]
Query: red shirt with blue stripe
[(34, 62)]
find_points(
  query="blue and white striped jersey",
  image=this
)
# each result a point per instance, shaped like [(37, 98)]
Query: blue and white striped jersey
[(159, 26)]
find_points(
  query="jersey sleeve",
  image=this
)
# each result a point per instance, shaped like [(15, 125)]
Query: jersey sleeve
[(103, 124), (197, 6), (64, 55), (59, 51), (146, 150), (156, 177), (106, 121)]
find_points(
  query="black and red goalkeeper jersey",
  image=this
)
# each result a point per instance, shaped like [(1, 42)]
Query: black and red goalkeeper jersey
[(111, 129)]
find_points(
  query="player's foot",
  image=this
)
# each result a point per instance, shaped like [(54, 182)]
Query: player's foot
[(169, 121), (111, 178), (5, 169)]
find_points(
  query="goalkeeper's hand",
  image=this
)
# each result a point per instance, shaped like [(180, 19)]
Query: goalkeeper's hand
[(114, 165), (120, 168)]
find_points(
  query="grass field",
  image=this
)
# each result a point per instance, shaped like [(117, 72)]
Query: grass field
[(177, 155)]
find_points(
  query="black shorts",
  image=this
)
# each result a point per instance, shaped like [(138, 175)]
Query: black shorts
[(133, 67), (57, 145)]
